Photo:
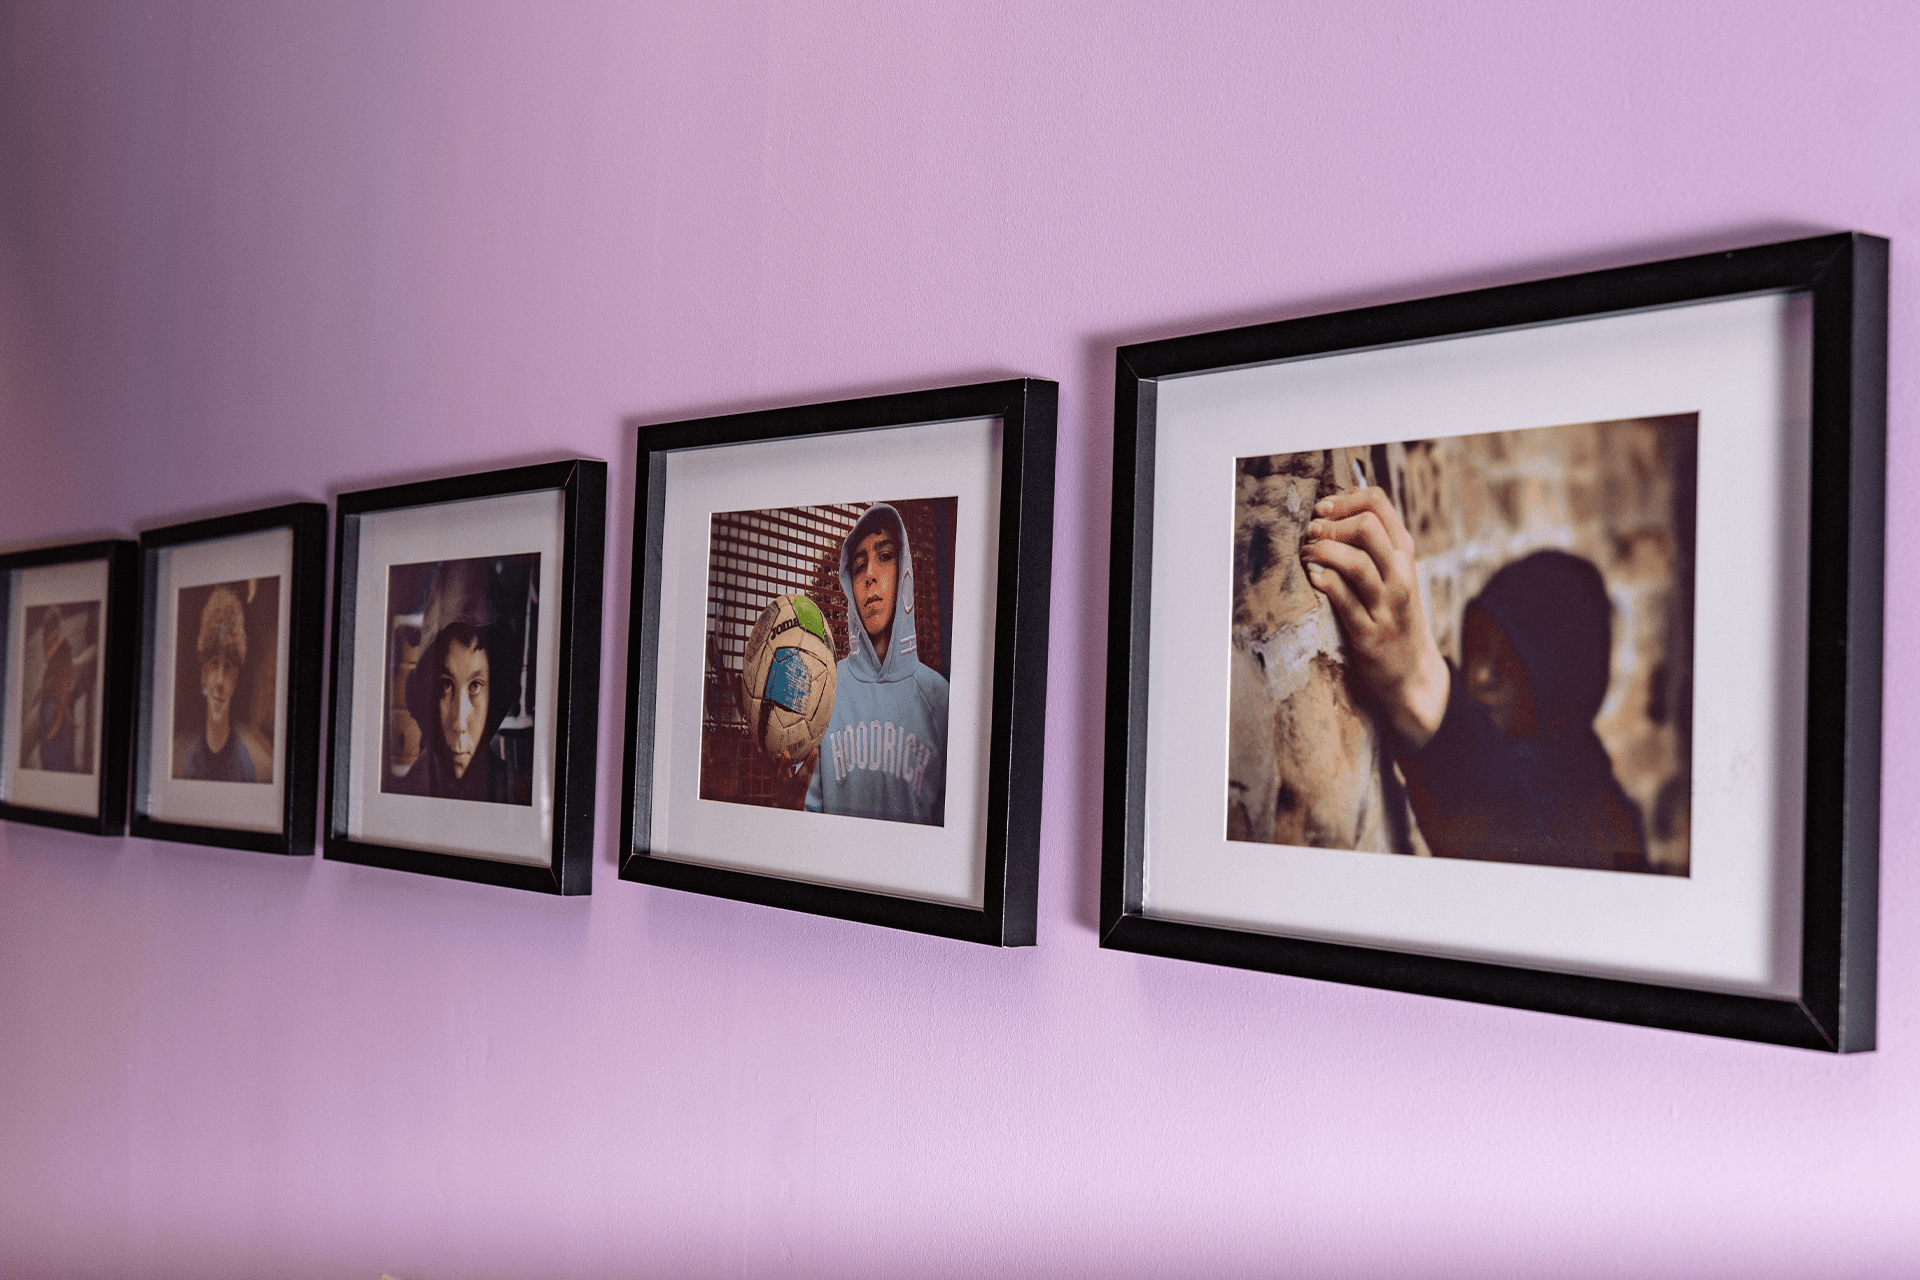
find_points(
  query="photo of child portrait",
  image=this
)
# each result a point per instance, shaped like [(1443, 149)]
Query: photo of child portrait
[(61, 667), (870, 585), (460, 688), (226, 659)]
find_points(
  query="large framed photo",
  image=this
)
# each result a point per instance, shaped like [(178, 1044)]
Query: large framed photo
[(1474, 646), (227, 726), (837, 666), (67, 625), (466, 672)]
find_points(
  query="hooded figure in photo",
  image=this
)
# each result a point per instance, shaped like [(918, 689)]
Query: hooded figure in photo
[(1500, 754), (465, 683), (885, 753), (1516, 772)]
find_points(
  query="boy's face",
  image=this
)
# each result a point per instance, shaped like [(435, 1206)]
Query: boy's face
[(463, 703), (1493, 677), (219, 674), (876, 580)]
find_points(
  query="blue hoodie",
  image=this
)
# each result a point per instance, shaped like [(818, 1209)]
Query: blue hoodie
[(885, 753)]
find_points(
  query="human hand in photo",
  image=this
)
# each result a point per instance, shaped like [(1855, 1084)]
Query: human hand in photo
[(790, 780), (1358, 553)]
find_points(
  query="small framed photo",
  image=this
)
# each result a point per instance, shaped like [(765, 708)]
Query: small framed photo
[(67, 627), (466, 672), (1474, 646), (837, 662), (227, 726)]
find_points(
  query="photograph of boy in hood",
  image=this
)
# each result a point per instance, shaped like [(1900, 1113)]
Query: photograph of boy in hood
[(1474, 646), (1500, 755), (885, 752), (466, 682), (881, 576)]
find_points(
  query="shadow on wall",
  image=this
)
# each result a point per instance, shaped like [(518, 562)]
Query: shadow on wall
[(1307, 762)]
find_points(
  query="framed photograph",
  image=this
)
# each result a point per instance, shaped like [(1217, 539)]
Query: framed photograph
[(227, 727), (837, 667), (67, 620), (1471, 646), (466, 676)]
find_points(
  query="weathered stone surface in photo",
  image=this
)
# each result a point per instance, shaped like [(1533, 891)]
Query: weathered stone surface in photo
[(1304, 761)]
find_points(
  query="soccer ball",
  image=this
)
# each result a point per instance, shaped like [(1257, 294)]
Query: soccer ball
[(787, 677)]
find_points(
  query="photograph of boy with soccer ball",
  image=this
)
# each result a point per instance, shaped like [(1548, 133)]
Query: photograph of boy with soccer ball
[(826, 658)]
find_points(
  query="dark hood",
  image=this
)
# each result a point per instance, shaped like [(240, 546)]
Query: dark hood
[(463, 591), (905, 658), (1554, 608)]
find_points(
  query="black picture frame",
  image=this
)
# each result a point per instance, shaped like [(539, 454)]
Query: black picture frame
[(582, 484), (1027, 408), (118, 637), (1845, 275), (306, 616)]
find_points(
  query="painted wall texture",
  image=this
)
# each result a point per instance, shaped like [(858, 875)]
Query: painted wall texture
[(256, 251)]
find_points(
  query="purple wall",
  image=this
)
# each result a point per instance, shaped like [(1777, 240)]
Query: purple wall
[(252, 251)]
